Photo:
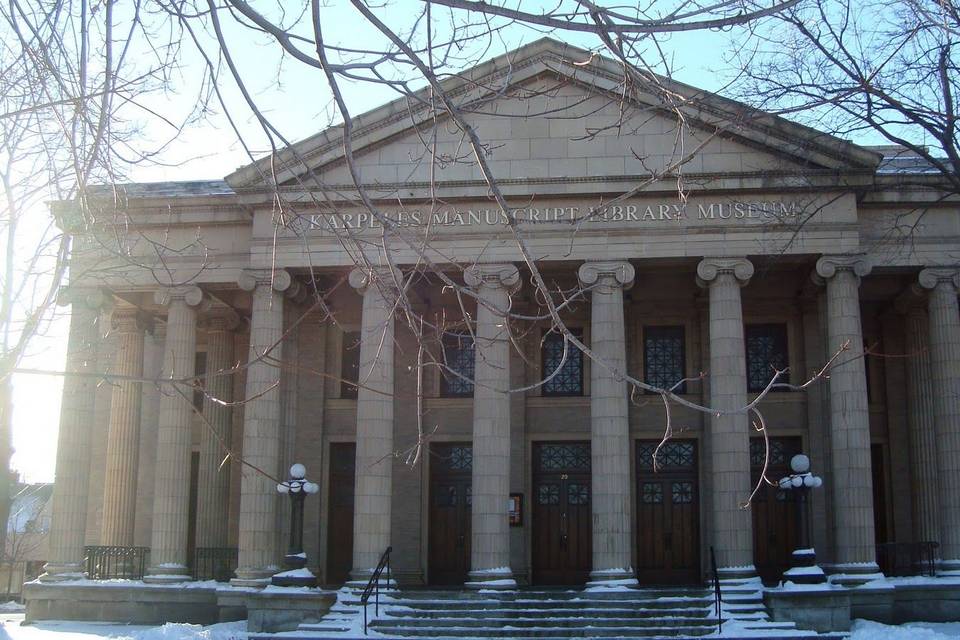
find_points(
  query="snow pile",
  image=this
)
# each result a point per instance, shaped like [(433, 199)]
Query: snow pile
[(180, 631), (12, 607), (867, 630)]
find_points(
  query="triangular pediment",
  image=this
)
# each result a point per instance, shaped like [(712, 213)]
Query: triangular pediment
[(549, 111)]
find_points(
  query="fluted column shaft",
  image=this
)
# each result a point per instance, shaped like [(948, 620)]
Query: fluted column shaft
[(120, 473), (944, 316), (729, 433), (171, 498), (213, 478), (609, 420), (851, 477), (259, 555), (920, 417), (69, 511), (374, 466), (490, 529)]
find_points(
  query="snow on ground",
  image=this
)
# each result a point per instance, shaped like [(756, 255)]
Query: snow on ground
[(70, 630), (867, 630)]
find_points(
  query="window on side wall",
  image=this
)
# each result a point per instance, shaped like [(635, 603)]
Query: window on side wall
[(664, 357), (568, 381), (456, 380), (766, 346)]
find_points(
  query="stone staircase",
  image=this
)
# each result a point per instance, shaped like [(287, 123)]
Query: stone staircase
[(549, 614)]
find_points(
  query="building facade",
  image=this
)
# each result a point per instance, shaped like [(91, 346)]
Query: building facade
[(463, 429)]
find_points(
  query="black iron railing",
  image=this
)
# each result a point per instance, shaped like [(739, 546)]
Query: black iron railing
[(106, 562), (214, 563), (717, 597), (373, 586), (908, 558)]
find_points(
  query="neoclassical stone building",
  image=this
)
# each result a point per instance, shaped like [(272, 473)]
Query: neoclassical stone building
[(786, 245)]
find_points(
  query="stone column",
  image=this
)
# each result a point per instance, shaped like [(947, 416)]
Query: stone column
[(213, 478), (490, 529), (609, 421), (171, 491), (920, 417), (729, 435), (69, 511), (851, 479), (373, 490), (123, 441), (259, 555), (945, 366)]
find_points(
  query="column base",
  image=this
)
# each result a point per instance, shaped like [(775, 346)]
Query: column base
[(167, 573), (500, 579), (853, 574), (949, 568), (746, 572), (63, 571), (609, 578), (256, 577)]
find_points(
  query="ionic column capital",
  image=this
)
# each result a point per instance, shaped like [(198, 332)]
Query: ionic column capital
[(130, 320), (709, 269), (279, 280), (362, 277), (91, 298), (931, 277), (219, 319), (830, 265), (612, 275), (498, 275), (193, 296)]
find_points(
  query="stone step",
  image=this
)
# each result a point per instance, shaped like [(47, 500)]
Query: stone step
[(564, 622), (602, 603), (544, 632), (569, 612)]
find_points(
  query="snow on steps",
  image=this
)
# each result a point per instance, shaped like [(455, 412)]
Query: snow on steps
[(549, 615)]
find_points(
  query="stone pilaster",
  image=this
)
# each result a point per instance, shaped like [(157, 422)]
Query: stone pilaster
[(69, 510), (851, 480), (259, 555), (944, 336), (729, 434), (490, 532), (123, 441), (609, 420), (920, 417), (171, 498), (373, 490), (213, 478)]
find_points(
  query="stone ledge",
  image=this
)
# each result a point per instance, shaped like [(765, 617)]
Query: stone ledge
[(121, 601), (276, 608), (822, 609)]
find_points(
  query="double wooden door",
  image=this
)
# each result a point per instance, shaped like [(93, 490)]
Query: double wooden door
[(668, 513), (451, 485), (343, 458), (562, 532), (775, 511)]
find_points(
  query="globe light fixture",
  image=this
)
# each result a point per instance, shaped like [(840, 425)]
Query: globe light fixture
[(800, 482), (298, 488)]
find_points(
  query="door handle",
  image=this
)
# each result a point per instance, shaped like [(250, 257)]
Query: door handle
[(461, 539)]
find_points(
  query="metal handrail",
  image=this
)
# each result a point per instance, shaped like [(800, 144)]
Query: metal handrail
[(105, 562), (717, 597), (373, 586)]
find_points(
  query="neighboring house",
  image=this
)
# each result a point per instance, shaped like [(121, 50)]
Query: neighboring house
[(27, 529)]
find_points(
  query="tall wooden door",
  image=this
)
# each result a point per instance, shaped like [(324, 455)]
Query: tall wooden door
[(668, 513), (343, 459), (451, 485), (776, 519), (562, 532)]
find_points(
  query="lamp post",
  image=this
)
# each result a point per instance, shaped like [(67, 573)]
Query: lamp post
[(297, 487), (801, 481)]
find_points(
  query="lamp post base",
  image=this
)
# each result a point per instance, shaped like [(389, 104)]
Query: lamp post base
[(804, 569)]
